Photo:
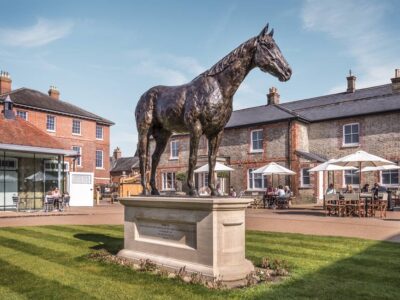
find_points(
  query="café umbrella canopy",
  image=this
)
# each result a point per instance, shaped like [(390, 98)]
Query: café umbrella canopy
[(273, 169), (330, 166), (218, 168), (362, 159), (380, 168)]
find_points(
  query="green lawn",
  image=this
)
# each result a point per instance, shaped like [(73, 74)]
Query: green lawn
[(51, 262)]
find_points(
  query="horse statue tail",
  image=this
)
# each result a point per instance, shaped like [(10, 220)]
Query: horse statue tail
[(144, 123)]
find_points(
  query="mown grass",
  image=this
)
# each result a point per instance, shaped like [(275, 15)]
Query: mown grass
[(50, 262)]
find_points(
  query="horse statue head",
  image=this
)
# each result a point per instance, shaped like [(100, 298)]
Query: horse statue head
[(268, 57)]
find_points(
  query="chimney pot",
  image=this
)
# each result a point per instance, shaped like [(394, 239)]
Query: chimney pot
[(351, 83), (117, 153), (396, 81), (54, 92), (5, 82), (273, 96)]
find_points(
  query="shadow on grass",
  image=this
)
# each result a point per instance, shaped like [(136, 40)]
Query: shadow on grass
[(373, 273), (106, 242), (26, 284)]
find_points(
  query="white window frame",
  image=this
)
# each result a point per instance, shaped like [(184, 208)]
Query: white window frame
[(171, 156), (302, 184), (79, 159), (24, 112), (80, 127), (389, 184), (102, 132), (354, 185), (102, 159), (55, 123), (251, 141), (344, 144), (164, 181), (263, 187)]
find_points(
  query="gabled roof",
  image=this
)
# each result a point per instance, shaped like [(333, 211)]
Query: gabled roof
[(125, 164), (22, 133), (373, 100), (28, 98), (258, 115)]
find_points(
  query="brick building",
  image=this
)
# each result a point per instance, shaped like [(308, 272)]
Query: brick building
[(300, 135), (78, 129)]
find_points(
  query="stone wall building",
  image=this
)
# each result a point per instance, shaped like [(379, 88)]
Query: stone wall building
[(300, 135)]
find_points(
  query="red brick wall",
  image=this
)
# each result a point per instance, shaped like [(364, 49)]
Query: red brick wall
[(87, 140)]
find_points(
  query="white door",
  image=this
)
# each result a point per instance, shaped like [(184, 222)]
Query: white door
[(81, 188), (11, 185), (320, 186)]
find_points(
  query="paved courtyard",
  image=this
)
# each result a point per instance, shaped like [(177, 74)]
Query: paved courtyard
[(300, 219)]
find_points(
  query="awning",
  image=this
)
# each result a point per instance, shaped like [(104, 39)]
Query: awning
[(22, 148), (218, 168)]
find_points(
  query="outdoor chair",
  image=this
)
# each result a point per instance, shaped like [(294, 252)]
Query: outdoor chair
[(382, 205), (16, 202), (66, 201), (49, 204), (352, 204), (331, 203), (282, 203), (257, 203)]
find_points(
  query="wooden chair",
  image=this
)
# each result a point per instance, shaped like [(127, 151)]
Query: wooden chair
[(351, 204), (382, 205), (331, 202)]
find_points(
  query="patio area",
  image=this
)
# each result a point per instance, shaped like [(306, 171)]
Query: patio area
[(304, 219)]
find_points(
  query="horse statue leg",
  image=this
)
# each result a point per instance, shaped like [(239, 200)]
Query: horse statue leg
[(161, 137), (195, 134), (213, 145), (143, 153)]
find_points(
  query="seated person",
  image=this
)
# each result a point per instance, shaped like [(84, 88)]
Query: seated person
[(365, 188), (270, 190), (281, 192), (288, 192), (349, 189), (232, 192), (378, 189), (204, 191), (330, 190)]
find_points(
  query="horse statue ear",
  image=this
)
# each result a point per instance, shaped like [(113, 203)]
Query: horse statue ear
[(271, 33), (264, 31)]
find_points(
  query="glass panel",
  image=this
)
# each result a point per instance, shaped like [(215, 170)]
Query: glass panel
[(354, 128), (250, 176), (347, 139), (355, 138), (347, 129)]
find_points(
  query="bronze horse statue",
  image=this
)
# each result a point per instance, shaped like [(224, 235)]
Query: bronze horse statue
[(202, 106)]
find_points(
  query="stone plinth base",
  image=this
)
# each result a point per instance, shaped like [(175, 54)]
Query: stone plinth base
[(206, 235)]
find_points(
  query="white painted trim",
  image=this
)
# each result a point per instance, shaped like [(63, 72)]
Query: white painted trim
[(251, 142), (170, 150), (343, 135), (301, 179)]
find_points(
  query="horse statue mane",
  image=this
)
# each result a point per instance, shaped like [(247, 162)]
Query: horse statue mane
[(225, 62)]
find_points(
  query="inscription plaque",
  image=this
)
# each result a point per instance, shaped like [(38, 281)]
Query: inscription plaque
[(167, 231)]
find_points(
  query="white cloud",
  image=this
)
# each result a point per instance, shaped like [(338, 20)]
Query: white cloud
[(359, 26), (167, 69), (42, 33)]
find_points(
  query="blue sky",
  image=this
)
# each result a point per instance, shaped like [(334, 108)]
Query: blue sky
[(102, 55)]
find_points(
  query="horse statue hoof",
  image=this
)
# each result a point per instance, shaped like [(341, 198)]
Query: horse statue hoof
[(155, 192)]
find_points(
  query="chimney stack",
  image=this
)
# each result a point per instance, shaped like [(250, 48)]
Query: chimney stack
[(5, 82), (8, 108), (54, 93), (273, 96), (117, 153), (351, 83), (396, 81)]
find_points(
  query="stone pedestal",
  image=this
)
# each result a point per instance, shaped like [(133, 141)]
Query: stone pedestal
[(206, 235)]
